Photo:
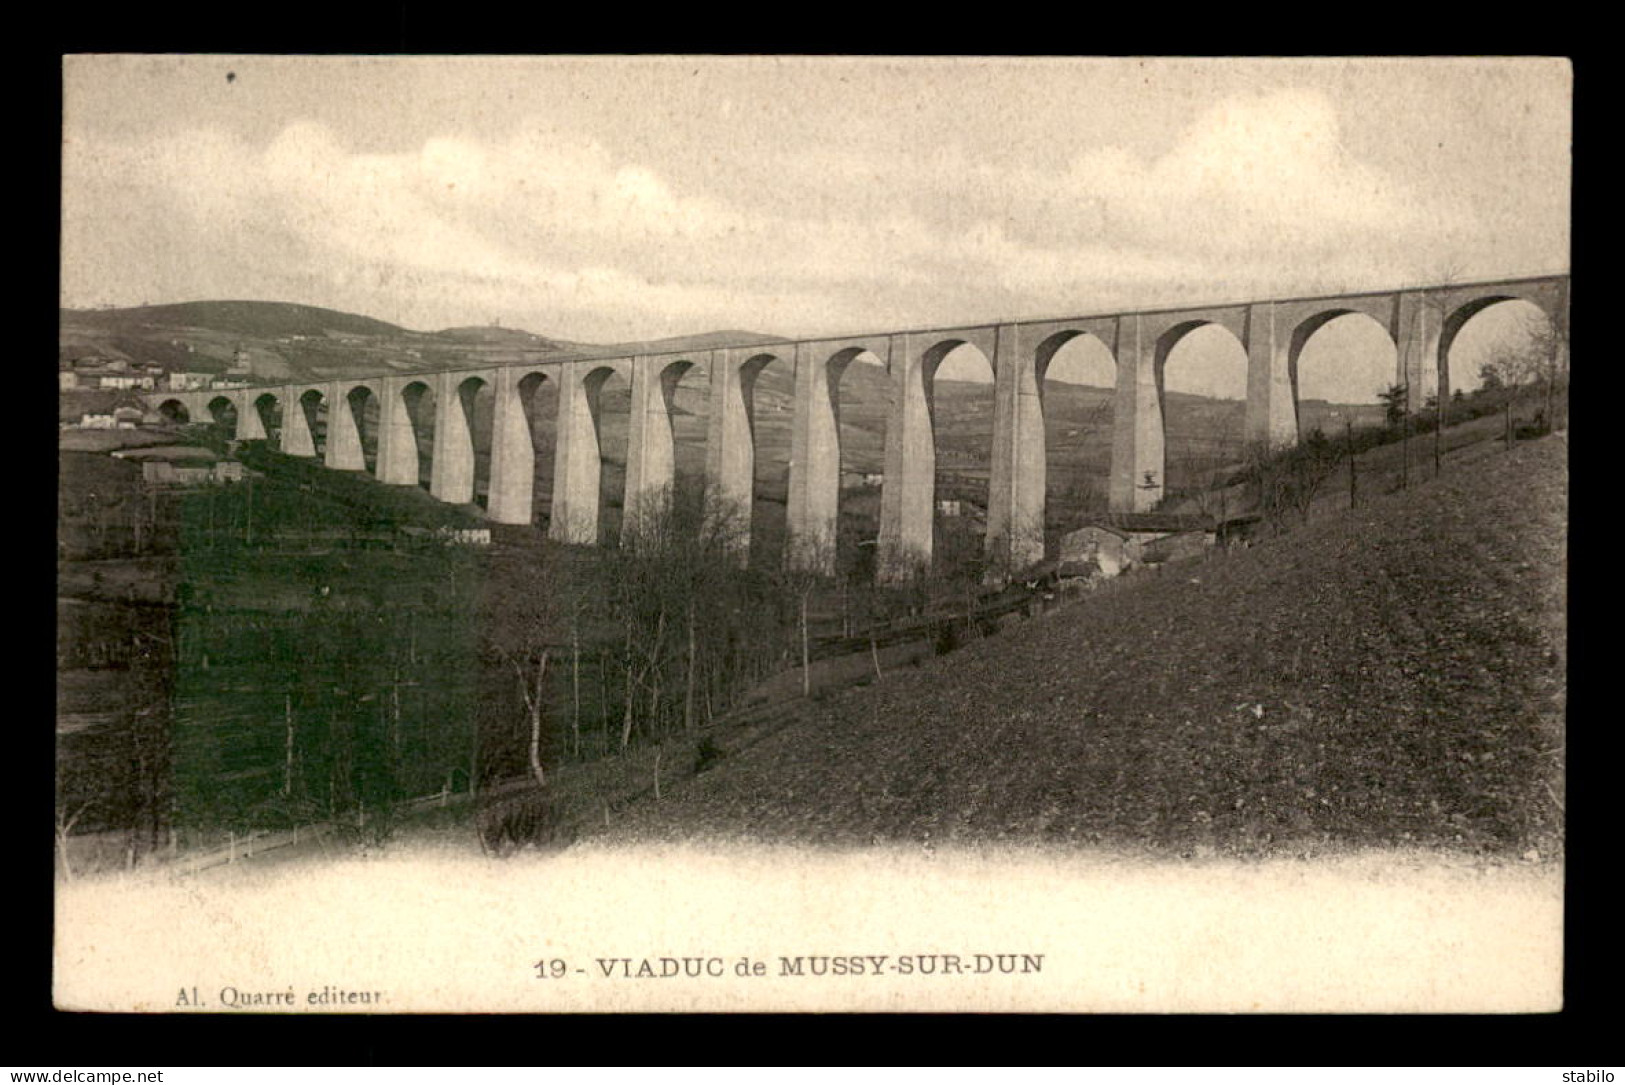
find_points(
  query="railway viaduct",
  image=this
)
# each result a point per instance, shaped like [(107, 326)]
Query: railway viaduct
[(1422, 323)]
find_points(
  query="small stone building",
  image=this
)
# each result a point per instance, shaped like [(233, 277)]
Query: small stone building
[(1105, 547), (1125, 540)]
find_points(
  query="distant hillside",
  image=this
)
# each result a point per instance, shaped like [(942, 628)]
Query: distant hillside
[(283, 341), (250, 318), (1388, 677), (495, 336), (703, 341)]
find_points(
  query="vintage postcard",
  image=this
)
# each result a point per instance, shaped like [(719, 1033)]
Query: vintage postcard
[(673, 533)]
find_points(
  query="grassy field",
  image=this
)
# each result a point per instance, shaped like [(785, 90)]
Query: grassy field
[(1392, 676)]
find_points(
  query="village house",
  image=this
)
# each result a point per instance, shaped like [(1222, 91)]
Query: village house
[(171, 473), (189, 382), (183, 465), (466, 536), (107, 373), (125, 381), (457, 536)]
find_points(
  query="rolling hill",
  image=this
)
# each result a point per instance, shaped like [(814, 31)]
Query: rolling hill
[(284, 341), (247, 318)]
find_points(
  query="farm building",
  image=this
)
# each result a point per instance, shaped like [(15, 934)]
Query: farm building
[(1130, 539), (1101, 545), (171, 473), (182, 465)]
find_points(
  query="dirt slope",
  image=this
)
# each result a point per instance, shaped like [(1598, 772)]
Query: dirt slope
[(1391, 676)]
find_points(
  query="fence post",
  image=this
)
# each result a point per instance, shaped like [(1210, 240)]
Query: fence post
[(1354, 499)]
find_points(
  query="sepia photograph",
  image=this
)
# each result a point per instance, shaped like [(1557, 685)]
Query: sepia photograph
[(667, 533)]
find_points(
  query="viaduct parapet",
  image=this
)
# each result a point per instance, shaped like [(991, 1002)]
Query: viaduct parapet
[(1422, 323)]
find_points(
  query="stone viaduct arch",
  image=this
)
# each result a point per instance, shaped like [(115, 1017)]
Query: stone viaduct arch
[(1017, 487), (730, 444), (254, 415), (513, 446), (1422, 322), (451, 477), (346, 400), (813, 504), (651, 452), (175, 408), (299, 420), (577, 464), (223, 412), (908, 491), (1455, 307)]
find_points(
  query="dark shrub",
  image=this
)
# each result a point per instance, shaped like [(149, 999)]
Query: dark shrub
[(510, 820), (707, 754)]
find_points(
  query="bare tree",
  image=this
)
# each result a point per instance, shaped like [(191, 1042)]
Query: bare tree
[(1540, 360), (1289, 479), (523, 629), (64, 830)]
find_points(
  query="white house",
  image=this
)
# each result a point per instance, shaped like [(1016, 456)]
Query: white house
[(123, 380)]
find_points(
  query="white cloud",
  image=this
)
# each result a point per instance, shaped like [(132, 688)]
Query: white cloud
[(557, 232)]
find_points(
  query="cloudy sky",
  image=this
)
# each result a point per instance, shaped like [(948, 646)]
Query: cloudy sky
[(605, 199)]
